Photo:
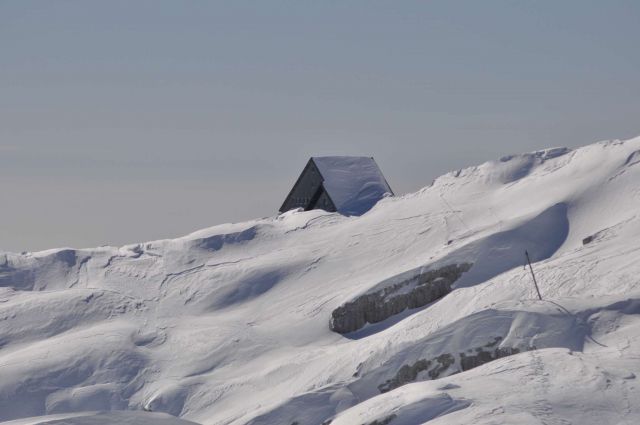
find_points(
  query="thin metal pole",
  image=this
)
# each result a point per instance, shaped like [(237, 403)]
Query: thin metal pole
[(533, 275)]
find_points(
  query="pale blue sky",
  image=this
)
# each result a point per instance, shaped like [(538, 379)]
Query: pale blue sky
[(123, 121)]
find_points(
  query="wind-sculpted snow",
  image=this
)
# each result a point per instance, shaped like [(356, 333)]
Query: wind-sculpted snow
[(517, 167), (410, 412), (216, 242), (495, 254), (465, 344), (104, 418), (250, 286), (230, 325), (25, 272)]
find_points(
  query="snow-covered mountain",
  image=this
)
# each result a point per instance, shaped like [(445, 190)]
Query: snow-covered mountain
[(419, 311)]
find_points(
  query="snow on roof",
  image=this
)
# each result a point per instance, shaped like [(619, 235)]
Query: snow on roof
[(354, 183)]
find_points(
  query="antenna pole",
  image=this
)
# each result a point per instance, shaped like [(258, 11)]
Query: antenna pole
[(533, 275)]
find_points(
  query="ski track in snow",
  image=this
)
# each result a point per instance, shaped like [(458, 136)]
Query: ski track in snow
[(230, 325)]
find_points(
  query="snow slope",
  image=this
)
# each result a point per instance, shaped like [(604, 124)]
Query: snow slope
[(125, 417), (230, 325)]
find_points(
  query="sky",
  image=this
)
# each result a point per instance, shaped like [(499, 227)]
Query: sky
[(127, 121)]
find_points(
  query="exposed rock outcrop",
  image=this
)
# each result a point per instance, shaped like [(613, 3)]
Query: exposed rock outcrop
[(437, 366), (416, 291), (384, 421)]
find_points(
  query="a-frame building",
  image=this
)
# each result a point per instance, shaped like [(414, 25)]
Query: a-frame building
[(350, 185)]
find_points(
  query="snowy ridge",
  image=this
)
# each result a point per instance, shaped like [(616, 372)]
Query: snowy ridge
[(230, 325)]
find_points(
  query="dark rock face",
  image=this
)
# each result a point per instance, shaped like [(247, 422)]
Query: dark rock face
[(384, 421), (414, 292), (409, 373), (436, 366), (481, 357), (587, 240)]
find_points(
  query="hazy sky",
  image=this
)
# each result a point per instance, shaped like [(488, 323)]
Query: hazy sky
[(124, 121)]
